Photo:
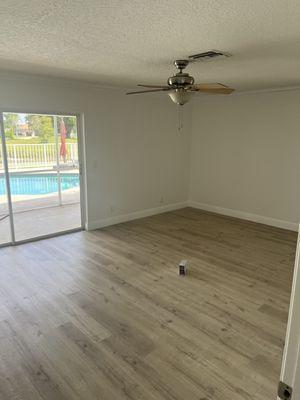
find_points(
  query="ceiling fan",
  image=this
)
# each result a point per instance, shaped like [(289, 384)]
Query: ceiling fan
[(181, 85)]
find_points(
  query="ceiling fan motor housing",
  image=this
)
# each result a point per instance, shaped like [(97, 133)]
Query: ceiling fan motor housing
[(181, 79)]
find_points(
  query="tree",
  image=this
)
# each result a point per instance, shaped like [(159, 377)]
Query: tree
[(47, 129), (10, 124), (42, 126), (70, 124)]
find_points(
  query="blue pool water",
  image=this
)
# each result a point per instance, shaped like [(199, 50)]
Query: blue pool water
[(35, 184)]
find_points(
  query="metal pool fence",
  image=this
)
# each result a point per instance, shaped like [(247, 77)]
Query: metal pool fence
[(37, 155)]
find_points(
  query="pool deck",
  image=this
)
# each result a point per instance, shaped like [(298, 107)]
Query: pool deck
[(29, 202), (40, 215), (31, 224)]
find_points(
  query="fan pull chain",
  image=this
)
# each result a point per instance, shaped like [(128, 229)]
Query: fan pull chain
[(180, 118)]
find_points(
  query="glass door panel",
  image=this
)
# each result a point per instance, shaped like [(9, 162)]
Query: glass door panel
[(5, 228), (68, 166), (41, 174), (68, 160)]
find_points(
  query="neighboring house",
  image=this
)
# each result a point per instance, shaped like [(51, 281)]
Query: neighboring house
[(23, 130)]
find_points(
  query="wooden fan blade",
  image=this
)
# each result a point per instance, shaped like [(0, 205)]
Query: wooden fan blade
[(225, 90), (204, 86), (155, 86), (149, 91)]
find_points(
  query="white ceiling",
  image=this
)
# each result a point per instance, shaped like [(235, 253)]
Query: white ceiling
[(125, 42)]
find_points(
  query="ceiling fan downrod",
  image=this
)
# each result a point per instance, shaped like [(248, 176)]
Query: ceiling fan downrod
[(181, 64)]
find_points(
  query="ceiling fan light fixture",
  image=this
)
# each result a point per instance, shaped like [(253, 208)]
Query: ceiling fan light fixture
[(180, 96)]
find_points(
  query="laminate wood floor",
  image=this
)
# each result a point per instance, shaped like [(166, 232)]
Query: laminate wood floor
[(103, 315)]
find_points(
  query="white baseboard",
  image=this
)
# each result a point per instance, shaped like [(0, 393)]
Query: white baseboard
[(206, 207), (134, 215), (244, 215)]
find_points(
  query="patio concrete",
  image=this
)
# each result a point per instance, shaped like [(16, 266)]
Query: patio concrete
[(39, 215), (29, 202), (39, 222)]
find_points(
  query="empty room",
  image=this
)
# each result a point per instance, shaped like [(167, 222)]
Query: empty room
[(149, 200)]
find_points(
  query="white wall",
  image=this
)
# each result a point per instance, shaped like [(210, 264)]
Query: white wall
[(134, 153), (245, 156)]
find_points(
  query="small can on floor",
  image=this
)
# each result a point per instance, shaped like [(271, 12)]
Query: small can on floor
[(183, 268)]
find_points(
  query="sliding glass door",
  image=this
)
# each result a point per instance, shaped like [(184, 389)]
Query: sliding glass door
[(5, 213), (40, 179)]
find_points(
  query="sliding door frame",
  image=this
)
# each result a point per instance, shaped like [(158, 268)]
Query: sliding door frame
[(7, 183), (82, 173)]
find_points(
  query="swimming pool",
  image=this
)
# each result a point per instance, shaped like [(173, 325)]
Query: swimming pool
[(37, 184)]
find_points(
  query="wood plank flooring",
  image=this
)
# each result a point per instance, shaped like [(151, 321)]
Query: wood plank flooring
[(103, 315)]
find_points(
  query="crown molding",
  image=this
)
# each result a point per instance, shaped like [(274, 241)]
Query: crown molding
[(47, 80), (268, 90), (57, 80), (255, 92)]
